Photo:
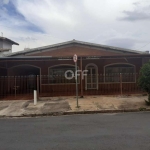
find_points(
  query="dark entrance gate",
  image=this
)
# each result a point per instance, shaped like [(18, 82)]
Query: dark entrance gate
[(17, 87)]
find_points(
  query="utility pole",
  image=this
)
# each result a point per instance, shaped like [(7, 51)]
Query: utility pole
[(76, 77)]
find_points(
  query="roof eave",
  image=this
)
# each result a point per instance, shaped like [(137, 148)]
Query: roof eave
[(51, 57), (77, 42), (12, 42)]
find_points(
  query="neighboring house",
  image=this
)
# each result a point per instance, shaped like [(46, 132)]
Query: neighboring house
[(109, 68), (6, 46)]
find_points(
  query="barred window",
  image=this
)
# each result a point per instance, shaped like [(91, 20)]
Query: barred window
[(57, 74), (112, 73)]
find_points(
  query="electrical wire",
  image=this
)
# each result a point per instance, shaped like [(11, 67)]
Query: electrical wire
[(144, 45)]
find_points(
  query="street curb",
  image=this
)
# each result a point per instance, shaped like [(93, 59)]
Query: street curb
[(78, 112)]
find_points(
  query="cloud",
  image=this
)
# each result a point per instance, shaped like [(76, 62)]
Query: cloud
[(124, 42), (139, 13), (34, 23), (51, 14), (5, 1), (136, 16), (10, 16)]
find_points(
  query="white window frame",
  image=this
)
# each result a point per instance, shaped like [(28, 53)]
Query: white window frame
[(96, 69)]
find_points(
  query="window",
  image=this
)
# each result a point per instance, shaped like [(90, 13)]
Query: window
[(57, 74), (112, 73), (92, 77)]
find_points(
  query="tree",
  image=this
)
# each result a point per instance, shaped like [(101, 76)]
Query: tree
[(144, 79)]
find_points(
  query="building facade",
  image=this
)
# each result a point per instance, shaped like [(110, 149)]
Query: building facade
[(6, 46), (110, 70)]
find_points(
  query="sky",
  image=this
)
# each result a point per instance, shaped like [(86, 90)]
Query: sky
[(36, 23)]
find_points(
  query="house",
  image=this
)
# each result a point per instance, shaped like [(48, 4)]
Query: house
[(6, 46), (111, 70)]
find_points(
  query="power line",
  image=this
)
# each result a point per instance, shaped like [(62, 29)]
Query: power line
[(144, 45)]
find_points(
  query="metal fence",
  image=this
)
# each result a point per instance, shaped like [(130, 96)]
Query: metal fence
[(21, 87), (17, 87)]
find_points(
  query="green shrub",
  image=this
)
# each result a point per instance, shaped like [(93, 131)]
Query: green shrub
[(144, 79)]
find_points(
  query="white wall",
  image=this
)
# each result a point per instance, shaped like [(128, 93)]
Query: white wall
[(1, 44), (2, 54), (7, 45)]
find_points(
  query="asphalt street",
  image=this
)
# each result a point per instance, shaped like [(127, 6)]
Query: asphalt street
[(123, 131)]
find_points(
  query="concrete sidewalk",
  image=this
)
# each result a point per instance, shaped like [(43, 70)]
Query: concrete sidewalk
[(51, 105)]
